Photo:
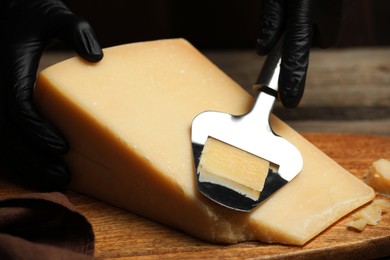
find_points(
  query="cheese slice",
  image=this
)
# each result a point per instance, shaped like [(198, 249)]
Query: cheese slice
[(127, 120), (225, 165)]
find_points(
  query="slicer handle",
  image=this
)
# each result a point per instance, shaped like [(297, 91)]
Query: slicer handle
[(269, 73), (267, 87)]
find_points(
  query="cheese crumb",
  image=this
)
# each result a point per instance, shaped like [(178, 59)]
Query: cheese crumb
[(378, 176), (369, 215)]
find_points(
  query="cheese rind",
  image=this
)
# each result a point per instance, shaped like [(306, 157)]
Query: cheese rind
[(127, 120)]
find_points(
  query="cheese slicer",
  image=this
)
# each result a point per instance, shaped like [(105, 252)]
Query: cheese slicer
[(251, 133)]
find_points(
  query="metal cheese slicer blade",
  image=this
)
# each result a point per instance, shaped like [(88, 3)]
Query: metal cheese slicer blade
[(252, 133)]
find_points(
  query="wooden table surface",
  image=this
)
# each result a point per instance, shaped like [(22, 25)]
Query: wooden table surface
[(123, 235)]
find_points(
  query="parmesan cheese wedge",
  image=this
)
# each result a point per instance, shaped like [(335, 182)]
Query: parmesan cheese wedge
[(127, 120)]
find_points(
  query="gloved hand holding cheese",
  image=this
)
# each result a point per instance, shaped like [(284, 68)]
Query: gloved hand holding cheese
[(127, 120), (32, 145)]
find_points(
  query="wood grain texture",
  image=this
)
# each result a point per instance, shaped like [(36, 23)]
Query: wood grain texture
[(120, 234)]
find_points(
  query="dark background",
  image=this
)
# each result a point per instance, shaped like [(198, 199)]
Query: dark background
[(215, 24)]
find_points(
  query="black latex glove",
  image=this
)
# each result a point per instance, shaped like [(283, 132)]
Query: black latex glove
[(31, 145), (302, 21)]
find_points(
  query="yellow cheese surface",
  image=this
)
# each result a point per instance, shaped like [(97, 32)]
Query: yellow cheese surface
[(127, 120)]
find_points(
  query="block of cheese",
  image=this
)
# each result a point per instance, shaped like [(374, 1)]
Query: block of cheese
[(225, 165), (127, 120)]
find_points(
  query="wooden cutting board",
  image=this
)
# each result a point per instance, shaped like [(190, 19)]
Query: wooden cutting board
[(120, 234)]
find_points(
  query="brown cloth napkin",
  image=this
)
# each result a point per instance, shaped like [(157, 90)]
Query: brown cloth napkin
[(43, 226)]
